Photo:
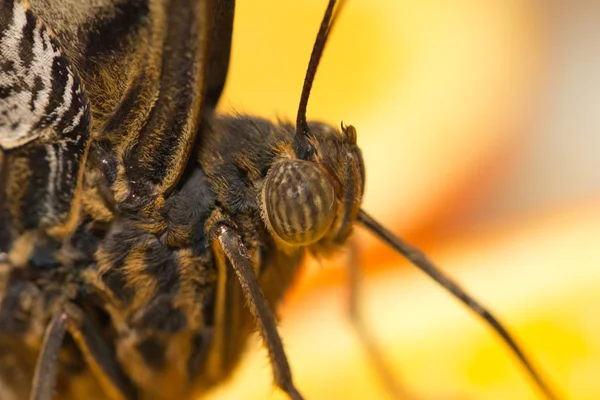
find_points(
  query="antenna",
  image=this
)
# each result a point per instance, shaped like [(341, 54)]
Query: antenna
[(326, 25), (418, 259)]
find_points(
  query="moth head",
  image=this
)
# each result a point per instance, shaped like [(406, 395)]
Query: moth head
[(316, 198)]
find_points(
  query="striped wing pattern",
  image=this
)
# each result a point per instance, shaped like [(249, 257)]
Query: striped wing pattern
[(44, 128)]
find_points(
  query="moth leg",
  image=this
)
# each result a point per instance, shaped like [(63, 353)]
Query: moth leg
[(97, 355), (46, 368), (230, 243), (391, 383)]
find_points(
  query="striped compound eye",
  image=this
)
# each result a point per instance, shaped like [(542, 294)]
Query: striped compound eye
[(299, 202)]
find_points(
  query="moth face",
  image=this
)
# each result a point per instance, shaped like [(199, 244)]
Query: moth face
[(307, 201)]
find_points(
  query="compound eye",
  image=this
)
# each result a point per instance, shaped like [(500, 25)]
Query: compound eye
[(298, 202)]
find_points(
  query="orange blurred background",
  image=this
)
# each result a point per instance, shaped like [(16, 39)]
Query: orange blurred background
[(479, 125)]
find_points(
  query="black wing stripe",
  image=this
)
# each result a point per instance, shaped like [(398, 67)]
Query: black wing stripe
[(219, 50), (155, 161)]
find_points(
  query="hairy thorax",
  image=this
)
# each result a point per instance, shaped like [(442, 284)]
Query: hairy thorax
[(147, 274), (177, 323)]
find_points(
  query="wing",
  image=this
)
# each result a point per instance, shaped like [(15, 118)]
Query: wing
[(149, 67), (137, 74), (44, 128), (220, 48)]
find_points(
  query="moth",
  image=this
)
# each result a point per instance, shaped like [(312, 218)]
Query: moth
[(143, 236)]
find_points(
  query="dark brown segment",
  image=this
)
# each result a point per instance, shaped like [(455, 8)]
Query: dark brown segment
[(160, 315), (198, 352), (116, 282), (109, 34), (152, 351)]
